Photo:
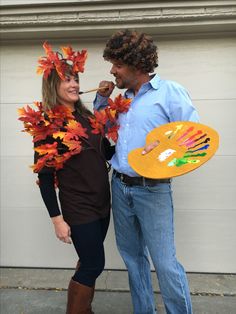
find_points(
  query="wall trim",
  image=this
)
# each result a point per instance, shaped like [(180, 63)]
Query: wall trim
[(99, 18)]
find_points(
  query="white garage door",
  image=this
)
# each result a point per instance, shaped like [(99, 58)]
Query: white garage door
[(205, 200)]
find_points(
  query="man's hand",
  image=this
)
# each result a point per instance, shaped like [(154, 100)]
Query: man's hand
[(150, 147), (108, 88), (62, 229)]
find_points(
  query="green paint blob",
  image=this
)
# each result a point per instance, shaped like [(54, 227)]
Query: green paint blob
[(195, 155), (178, 162)]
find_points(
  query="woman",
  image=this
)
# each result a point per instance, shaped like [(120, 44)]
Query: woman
[(72, 153)]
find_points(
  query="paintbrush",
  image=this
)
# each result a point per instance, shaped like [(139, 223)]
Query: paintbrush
[(94, 89)]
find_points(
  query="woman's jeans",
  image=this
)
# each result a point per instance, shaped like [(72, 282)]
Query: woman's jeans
[(143, 219)]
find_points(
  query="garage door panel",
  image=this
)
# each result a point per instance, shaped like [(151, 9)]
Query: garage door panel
[(20, 83), (14, 142), (205, 238), (34, 243), (206, 67), (220, 115), (212, 186), (18, 184)]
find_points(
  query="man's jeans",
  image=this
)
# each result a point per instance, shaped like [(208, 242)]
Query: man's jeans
[(143, 219)]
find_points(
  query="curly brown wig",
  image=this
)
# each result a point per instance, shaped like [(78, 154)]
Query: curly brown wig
[(132, 48)]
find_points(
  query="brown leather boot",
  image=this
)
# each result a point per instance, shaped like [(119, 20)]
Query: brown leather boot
[(76, 269), (79, 298)]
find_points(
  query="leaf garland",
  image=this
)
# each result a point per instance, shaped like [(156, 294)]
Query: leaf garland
[(105, 121), (59, 124), (59, 62)]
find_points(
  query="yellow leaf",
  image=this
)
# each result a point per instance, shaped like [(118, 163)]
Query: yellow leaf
[(59, 134)]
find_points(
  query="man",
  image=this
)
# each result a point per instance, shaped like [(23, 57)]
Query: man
[(142, 208)]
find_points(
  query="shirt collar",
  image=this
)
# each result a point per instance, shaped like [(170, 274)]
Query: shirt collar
[(154, 83)]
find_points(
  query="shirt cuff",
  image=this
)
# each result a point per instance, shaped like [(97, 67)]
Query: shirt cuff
[(100, 102)]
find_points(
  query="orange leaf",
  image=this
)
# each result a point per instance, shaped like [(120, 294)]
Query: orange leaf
[(59, 161), (61, 135), (68, 52), (120, 103), (60, 112), (47, 47), (97, 127), (111, 114), (49, 149), (41, 132), (79, 61), (75, 130), (101, 116), (29, 115), (73, 145), (112, 133), (39, 70), (39, 164)]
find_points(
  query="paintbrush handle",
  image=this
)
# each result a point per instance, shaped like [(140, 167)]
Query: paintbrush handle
[(93, 90)]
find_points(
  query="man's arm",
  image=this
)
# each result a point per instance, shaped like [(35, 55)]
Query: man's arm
[(100, 101)]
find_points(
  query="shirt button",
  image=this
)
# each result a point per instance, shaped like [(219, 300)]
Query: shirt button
[(127, 124), (125, 141)]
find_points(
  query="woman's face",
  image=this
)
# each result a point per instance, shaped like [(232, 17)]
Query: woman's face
[(68, 91)]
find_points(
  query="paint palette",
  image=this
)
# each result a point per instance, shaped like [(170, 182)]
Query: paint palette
[(183, 147)]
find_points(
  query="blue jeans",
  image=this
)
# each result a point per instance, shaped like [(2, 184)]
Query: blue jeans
[(143, 219)]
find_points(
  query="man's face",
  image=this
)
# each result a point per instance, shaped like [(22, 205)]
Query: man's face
[(125, 76)]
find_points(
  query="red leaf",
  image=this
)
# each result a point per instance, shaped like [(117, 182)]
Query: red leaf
[(30, 116), (120, 104), (79, 61), (112, 133), (60, 113)]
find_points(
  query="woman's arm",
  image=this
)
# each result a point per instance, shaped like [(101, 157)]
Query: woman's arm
[(48, 193)]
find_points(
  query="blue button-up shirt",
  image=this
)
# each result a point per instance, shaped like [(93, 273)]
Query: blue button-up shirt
[(157, 102)]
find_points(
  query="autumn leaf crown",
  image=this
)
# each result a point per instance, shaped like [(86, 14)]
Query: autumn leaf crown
[(60, 62)]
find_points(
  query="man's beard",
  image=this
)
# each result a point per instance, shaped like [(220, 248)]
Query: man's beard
[(120, 83)]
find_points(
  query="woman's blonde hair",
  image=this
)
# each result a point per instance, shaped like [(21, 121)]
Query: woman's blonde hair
[(49, 90)]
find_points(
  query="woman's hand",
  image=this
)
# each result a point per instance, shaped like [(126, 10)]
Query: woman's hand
[(62, 229), (108, 88)]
